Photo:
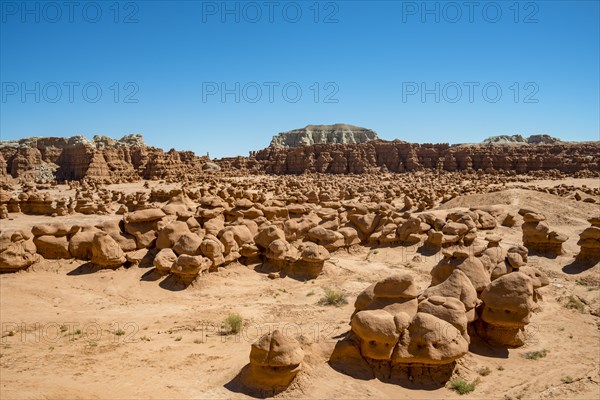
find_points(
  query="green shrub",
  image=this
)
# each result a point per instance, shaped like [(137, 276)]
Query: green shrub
[(573, 303), (567, 379), (535, 355), (461, 386), (233, 323), (333, 298)]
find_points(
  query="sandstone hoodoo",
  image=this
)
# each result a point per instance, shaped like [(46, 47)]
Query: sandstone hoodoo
[(394, 337), (323, 134), (589, 242), (275, 360)]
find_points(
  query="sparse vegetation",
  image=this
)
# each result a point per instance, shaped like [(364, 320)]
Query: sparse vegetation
[(78, 332), (63, 328), (535, 355), (408, 265), (233, 323), (462, 386), (500, 368), (178, 339), (119, 332), (573, 303), (567, 379), (198, 341), (311, 293), (484, 371), (333, 298), (145, 339)]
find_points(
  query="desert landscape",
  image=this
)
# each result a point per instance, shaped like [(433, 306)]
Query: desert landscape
[(330, 264)]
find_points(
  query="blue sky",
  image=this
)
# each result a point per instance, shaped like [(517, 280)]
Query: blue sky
[(446, 73)]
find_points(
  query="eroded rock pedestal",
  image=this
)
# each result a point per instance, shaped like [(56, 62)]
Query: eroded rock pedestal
[(275, 360)]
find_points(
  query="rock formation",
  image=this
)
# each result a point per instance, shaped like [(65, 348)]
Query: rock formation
[(398, 338), (507, 305), (275, 360), (316, 134), (538, 237), (518, 139), (589, 242), (101, 159)]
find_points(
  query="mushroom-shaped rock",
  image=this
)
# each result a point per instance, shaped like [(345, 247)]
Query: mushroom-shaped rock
[(459, 286), (311, 261), (508, 302), (164, 260), (80, 244), (326, 237), (449, 309), (377, 332), (168, 236), (151, 214), (212, 248), (365, 298), (52, 247), (268, 234), (187, 267), (471, 266), (395, 294), (188, 243), (17, 251), (275, 360), (106, 252), (409, 231), (396, 286), (538, 237), (116, 230), (430, 341), (589, 242)]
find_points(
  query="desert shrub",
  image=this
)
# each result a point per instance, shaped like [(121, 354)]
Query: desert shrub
[(233, 323), (461, 386), (333, 298), (535, 355)]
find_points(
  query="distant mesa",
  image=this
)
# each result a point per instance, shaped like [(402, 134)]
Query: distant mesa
[(317, 134), (518, 139)]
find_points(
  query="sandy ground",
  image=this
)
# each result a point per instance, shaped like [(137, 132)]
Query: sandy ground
[(79, 334)]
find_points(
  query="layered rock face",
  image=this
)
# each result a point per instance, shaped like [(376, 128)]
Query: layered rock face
[(314, 134), (101, 159), (398, 156)]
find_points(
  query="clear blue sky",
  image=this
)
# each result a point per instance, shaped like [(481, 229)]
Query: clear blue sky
[(372, 57)]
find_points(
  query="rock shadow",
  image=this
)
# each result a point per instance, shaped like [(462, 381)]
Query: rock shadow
[(483, 348), (85, 269), (237, 385), (578, 266), (151, 276), (175, 283)]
